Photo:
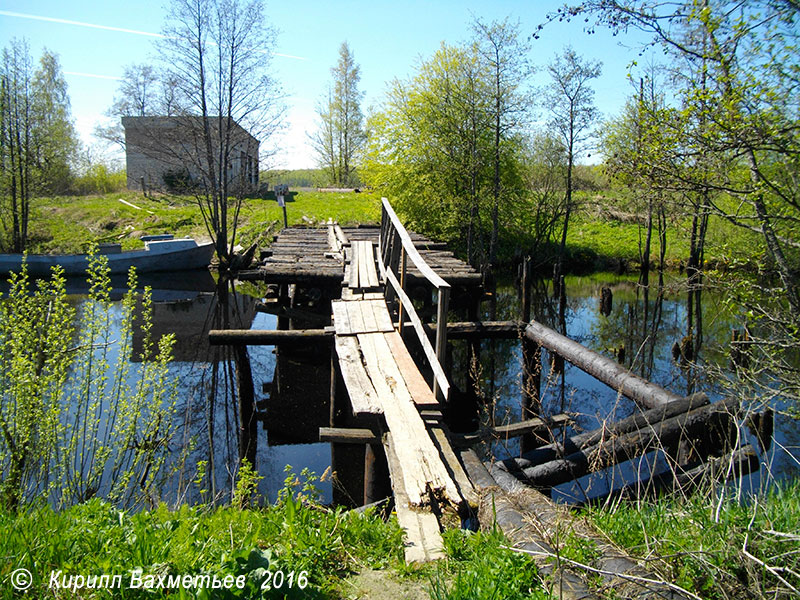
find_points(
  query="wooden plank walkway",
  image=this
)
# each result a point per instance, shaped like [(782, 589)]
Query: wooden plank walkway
[(313, 256), (382, 379)]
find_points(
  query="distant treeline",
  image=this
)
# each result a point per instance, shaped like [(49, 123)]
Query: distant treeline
[(299, 178)]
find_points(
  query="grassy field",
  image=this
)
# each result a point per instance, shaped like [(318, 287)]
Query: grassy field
[(69, 224), (319, 552)]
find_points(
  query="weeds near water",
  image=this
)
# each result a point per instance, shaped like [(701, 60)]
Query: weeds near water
[(295, 535), (478, 567), (76, 419), (716, 548)]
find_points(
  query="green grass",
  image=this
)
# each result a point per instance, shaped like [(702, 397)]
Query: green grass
[(69, 224), (702, 543), (479, 566), (295, 535), (325, 546)]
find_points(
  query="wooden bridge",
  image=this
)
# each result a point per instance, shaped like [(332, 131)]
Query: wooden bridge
[(392, 404)]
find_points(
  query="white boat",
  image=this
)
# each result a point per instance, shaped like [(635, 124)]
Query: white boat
[(159, 254)]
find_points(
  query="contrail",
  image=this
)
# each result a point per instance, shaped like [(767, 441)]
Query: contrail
[(8, 13)]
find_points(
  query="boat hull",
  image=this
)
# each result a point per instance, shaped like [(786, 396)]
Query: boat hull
[(158, 257)]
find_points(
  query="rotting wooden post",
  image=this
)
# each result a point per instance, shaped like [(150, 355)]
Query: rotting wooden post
[(403, 260), (606, 301), (376, 474), (526, 289), (531, 386), (441, 331), (248, 424)]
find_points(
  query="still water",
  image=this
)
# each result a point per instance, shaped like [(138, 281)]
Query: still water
[(291, 387)]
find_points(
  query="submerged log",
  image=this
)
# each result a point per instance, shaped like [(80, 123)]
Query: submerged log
[(606, 370), (585, 440), (685, 480), (714, 419)]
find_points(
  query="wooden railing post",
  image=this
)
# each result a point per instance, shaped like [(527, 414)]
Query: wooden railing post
[(403, 256), (441, 331)]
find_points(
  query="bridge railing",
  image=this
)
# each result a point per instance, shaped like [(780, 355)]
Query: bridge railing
[(396, 247)]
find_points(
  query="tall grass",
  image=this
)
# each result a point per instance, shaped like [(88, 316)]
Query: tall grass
[(715, 547)]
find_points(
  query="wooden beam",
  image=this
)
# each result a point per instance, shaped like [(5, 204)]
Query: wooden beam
[(348, 435), (600, 367), (536, 426), (363, 397), (267, 337), (570, 445), (667, 434), (423, 538)]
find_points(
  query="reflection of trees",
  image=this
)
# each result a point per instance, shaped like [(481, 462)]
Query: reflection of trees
[(219, 412)]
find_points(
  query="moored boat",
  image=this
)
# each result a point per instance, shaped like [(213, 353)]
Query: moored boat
[(159, 255)]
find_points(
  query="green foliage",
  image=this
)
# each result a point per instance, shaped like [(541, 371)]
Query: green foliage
[(433, 149), (246, 484), (479, 567), (702, 542), (99, 179), (293, 535), (74, 414)]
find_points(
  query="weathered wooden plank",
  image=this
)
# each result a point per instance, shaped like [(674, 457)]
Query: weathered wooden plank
[(352, 257), (333, 243), (340, 235), (454, 465), (363, 397), (430, 353), (354, 313), (382, 317), (341, 318), (536, 426), (349, 295), (411, 250), (369, 263), (423, 470), (266, 337), (417, 386), (368, 315), (347, 435), (423, 539)]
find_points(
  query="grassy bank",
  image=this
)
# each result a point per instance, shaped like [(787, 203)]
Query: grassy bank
[(319, 553), (70, 223), (596, 240), (716, 548)]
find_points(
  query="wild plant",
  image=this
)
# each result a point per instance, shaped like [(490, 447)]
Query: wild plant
[(77, 418)]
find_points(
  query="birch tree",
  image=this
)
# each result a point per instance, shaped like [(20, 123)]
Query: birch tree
[(218, 54), (573, 113), (37, 139)]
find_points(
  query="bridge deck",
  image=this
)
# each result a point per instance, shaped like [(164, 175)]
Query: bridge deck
[(310, 255), (382, 379)]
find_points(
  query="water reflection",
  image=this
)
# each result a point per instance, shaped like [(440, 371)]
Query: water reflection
[(640, 329)]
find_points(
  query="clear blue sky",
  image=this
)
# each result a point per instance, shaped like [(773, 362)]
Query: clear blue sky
[(95, 40)]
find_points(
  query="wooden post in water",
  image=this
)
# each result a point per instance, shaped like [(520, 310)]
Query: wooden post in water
[(526, 289), (248, 425), (377, 484)]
